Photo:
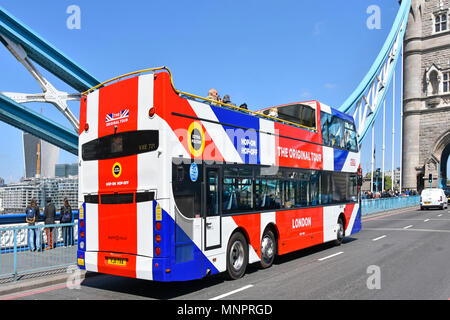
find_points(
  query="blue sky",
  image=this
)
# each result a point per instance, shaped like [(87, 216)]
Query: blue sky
[(260, 52)]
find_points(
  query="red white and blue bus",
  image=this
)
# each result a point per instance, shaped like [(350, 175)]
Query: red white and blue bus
[(177, 187)]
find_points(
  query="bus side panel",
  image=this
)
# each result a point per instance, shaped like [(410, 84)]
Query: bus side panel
[(299, 229), (169, 269)]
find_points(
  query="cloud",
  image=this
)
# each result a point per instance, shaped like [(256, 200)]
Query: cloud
[(305, 93)]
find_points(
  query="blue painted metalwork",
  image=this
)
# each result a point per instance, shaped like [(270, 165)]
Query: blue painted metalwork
[(386, 61), (371, 206), (29, 121), (44, 54), (17, 260)]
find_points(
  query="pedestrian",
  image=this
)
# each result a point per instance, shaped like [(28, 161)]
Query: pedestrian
[(65, 215), (34, 234), (49, 219)]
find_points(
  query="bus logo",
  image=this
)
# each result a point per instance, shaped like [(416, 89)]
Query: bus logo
[(116, 170), (117, 118), (196, 139), (193, 172)]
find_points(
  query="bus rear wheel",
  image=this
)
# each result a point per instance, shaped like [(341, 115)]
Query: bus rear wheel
[(268, 246), (340, 232), (237, 256)]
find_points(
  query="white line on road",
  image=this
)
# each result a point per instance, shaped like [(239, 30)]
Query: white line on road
[(426, 220), (379, 238), (231, 292), (409, 230), (407, 227), (439, 215), (331, 256)]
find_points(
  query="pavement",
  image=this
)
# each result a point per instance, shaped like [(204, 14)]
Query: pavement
[(407, 249)]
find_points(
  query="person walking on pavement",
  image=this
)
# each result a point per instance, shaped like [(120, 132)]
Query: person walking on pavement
[(34, 234), (66, 217), (49, 219)]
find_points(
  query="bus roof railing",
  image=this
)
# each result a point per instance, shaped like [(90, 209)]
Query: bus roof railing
[(164, 68)]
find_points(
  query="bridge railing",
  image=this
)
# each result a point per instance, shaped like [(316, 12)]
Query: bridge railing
[(371, 206), (26, 250)]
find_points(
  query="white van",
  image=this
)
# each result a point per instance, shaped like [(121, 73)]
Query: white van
[(433, 198)]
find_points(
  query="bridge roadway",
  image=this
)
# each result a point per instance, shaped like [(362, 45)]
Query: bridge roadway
[(410, 247)]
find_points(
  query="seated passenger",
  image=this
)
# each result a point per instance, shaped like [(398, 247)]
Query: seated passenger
[(243, 106), (213, 95), (226, 100), (273, 113)]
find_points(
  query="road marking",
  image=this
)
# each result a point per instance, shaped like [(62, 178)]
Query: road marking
[(231, 292), (440, 215), (331, 256), (407, 227), (403, 229), (379, 238), (426, 220)]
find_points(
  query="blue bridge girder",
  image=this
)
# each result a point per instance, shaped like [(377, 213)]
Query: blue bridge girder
[(44, 54), (367, 99), (32, 122), (54, 61)]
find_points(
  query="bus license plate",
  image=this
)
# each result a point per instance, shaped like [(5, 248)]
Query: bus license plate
[(117, 261)]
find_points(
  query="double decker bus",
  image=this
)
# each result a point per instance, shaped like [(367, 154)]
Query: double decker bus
[(178, 187)]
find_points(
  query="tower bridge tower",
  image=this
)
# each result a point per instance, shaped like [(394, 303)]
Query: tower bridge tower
[(426, 95)]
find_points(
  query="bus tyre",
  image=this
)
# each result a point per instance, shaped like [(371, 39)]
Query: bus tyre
[(237, 256), (340, 232), (268, 249)]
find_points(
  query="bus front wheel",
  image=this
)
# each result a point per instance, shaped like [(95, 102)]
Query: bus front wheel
[(237, 256)]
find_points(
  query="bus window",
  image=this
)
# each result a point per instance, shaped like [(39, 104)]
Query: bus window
[(302, 192), (351, 143), (325, 119), (308, 117), (301, 114), (336, 133), (268, 194), (187, 194), (237, 189), (212, 192), (325, 190), (315, 188)]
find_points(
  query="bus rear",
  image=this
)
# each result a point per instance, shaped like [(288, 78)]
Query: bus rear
[(122, 178)]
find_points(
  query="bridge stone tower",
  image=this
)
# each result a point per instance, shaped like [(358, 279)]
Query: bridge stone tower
[(426, 94)]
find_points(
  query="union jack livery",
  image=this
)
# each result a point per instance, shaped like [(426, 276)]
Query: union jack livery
[(177, 187)]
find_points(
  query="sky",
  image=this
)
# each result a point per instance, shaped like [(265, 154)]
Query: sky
[(264, 53)]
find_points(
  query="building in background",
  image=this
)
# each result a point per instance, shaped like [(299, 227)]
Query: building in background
[(426, 95), (40, 157), (16, 196), (66, 170)]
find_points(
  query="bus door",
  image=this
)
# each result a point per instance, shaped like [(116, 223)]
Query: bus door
[(213, 210)]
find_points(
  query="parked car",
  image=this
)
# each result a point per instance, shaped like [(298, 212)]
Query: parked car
[(433, 198)]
